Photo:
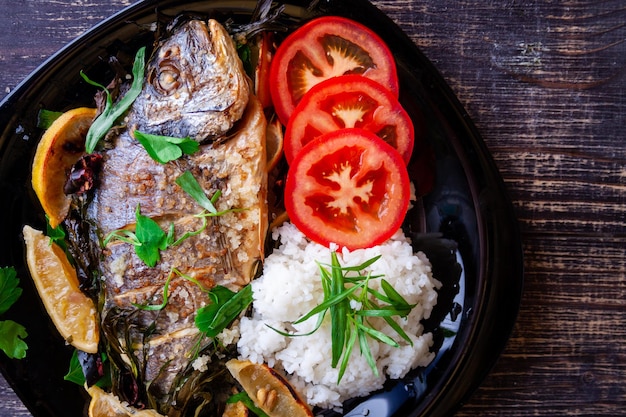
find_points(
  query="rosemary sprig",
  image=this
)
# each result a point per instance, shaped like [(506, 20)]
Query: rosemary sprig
[(350, 325)]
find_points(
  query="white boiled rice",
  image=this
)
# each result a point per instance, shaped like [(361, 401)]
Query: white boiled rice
[(290, 287)]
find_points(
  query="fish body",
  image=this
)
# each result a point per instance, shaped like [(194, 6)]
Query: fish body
[(195, 86)]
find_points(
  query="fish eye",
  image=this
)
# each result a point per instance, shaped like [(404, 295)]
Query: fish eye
[(165, 77)]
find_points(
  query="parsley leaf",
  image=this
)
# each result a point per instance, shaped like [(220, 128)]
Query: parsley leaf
[(75, 372), (112, 112), (164, 149), (56, 234), (45, 118), (12, 335), (9, 290)]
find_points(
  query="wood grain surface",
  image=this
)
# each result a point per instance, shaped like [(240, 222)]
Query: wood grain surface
[(545, 83)]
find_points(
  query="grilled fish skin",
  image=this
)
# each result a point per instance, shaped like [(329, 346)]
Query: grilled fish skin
[(206, 97)]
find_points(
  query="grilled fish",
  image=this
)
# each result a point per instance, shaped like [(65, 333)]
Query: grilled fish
[(195, 86)]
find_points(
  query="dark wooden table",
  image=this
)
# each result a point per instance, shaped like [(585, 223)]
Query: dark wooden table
[(545, 83)]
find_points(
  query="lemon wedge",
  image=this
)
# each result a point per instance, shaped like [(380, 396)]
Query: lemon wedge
[(71, 311), (60, 147), (105, 404), (269, 391), (237, 409)]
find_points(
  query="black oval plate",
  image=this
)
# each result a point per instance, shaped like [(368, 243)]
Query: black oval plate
[(466, 213)]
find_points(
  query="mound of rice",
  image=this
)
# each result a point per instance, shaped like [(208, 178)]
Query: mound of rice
[(290, 287)]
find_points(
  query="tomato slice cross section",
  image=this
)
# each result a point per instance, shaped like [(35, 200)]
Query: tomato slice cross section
[(346, 102), (327, 47), (347, 187)]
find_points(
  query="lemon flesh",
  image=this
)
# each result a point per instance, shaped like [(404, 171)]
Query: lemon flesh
[(268, 390), (60, 147), (71, 311)]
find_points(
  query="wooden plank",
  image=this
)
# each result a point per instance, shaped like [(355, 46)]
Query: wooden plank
[(10, 405), (545, 84), (33, 30)]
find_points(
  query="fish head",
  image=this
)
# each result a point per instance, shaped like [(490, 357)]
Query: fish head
[(195, 84)]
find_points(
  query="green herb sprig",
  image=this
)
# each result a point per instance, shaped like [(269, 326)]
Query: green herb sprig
[(191, 186), (244, 398), (166, 291), (149, 239), (211, 319), (225, 306), (76, 375), (164, 149), (12, 334), (56, 234), (112, 113), (45, 118), (349, 325)]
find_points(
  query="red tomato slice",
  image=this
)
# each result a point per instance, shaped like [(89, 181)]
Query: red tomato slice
[(345, 102), (347, 187), (326, 47)]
